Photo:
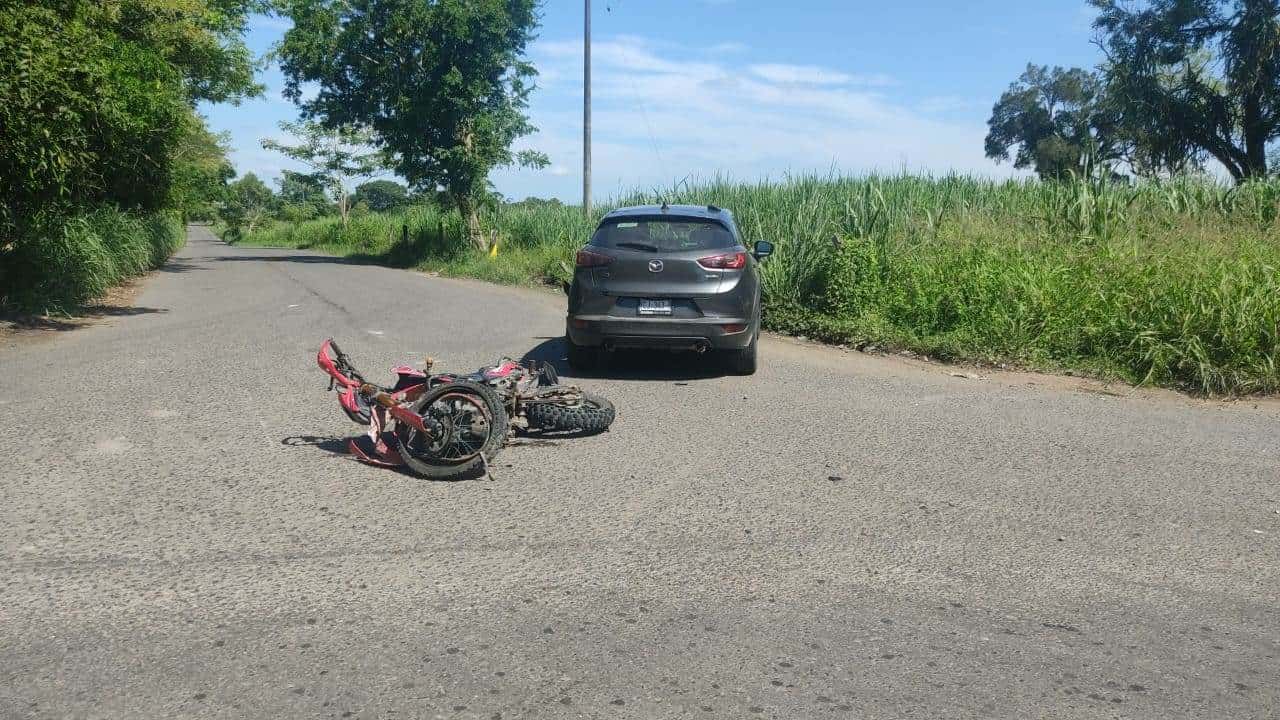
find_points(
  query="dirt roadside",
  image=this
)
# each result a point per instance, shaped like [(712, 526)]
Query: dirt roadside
[(120, 301)]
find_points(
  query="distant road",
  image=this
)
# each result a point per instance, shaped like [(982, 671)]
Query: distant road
[(842, 535)]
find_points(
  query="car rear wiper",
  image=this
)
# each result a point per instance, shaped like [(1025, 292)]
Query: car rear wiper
[(638, 246)]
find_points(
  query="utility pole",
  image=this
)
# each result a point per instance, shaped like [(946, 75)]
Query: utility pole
[(586, 109)]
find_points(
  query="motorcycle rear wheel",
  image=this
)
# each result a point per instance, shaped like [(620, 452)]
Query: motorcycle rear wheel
[(589, 414)]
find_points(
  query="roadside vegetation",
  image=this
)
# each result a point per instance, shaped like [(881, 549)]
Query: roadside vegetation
[(1173, 284), (102, 154), (1122, 258)]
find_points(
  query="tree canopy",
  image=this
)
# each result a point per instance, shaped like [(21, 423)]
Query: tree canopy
[(1195, 77), (444, 84), (335, 155), (97, 99), (201, 170), (1056, 122), (381, 195), (301, 188), (248, 202)]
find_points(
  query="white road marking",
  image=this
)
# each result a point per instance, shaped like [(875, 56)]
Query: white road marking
[(111, 446)]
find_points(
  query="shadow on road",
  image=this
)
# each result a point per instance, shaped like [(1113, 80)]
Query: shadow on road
[(308, 259), (338, 448), (390, 259), (408, 252), (178, 266), (88, 312), (648, 365)]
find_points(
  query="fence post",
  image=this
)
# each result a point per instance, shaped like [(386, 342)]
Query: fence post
[(404, 234)]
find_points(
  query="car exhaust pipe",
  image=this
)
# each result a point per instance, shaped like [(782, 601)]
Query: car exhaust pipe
[(702, 347)]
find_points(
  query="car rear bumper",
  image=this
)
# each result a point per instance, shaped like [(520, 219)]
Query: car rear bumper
[(685, 334)]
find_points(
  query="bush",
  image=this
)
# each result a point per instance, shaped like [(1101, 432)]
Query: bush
[(62, 263), (297, 212)]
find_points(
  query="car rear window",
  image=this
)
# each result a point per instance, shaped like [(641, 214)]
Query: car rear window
[(663, 235)]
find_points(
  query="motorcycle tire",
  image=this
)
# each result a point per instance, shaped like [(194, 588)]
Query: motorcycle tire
[(439, 463), (592, 415)]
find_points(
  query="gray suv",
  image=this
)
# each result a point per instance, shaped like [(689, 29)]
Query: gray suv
[(669, 276)]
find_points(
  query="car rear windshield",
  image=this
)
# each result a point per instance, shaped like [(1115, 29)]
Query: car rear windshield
[(663, 235)]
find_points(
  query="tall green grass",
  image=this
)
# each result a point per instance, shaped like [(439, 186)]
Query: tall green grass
[(59, 263), (1174, 283)]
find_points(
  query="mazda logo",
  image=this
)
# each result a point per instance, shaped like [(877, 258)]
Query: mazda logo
[(655, 266)]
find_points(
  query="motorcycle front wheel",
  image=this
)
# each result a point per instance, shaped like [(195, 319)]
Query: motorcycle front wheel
[(466, 424)]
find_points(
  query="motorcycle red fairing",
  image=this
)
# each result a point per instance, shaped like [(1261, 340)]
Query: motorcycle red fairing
[(348, 381)]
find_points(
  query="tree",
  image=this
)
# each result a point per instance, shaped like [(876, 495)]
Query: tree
[(1196, 77), (98, 124), (96, 98), (1059, 122), (443, 84), (382, 195), (335, 155), (201, 170), (248, 203), (537, 202), (303, 196)]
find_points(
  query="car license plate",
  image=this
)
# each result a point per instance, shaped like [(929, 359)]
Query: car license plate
[(655, 307)]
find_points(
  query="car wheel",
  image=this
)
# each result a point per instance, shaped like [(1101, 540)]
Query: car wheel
[(582, 357), (743, 362)]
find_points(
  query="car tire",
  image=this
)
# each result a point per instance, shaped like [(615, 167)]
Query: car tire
[(743, 362), (582, 357)]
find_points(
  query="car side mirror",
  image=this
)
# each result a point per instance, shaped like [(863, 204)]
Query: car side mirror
[(763, 250)]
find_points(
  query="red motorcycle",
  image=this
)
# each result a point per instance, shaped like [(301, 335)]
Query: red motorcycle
[(448, 426)]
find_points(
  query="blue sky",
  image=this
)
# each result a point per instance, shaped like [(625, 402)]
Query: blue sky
[(749, 89)]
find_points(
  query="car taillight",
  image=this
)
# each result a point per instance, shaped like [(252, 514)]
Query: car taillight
[(587, 259), (731, 261)]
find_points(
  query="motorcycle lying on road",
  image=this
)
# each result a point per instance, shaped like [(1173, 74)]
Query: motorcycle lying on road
[(448, 426)]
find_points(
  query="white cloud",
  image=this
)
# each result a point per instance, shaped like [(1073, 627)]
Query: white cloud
[(664, 113), (784, 74), (799, 75), (629, 53), (726, 48), (661, 116)]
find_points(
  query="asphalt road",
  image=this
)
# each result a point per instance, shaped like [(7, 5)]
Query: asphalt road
[(842, 535)]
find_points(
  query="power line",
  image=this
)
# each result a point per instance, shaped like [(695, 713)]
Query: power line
[(639, 99)]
